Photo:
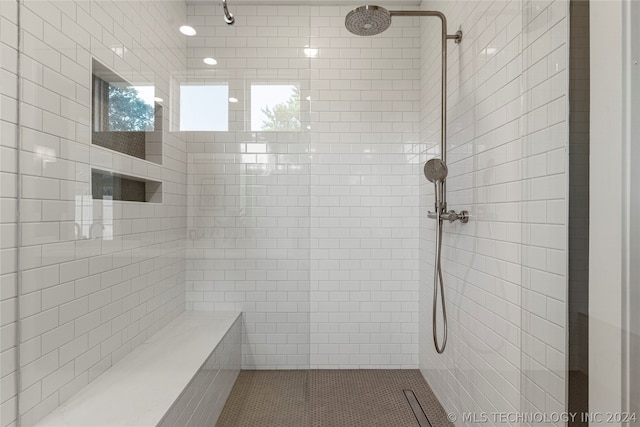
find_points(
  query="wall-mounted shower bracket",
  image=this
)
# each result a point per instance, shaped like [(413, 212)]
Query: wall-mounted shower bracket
[(451, 216), (457, 37)]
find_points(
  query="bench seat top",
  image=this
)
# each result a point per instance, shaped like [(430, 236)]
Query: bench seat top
[(139, 389)]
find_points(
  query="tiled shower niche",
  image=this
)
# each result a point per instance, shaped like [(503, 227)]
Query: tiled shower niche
[(113, 186)]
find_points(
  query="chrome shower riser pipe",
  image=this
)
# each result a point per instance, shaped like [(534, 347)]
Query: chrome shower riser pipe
[(457, 37)]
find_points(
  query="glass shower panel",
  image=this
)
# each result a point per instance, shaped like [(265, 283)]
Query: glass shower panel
[(8, 212), (248, 215), (364, 193), (287, 184), (543, 211), (228, 229), (631, 292), (98, 276), (477, 378), (248, 186)]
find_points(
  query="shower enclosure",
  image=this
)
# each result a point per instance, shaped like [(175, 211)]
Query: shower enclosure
[(275, 167)]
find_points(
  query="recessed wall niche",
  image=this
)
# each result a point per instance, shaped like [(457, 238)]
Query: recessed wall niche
[(114, 186), (126, 117)]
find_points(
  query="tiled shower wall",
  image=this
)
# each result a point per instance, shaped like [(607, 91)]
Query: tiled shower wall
[(364, 188), (544, 211), (312, 231), (98, 277), (248, 225), (8, 212), (504, 271)]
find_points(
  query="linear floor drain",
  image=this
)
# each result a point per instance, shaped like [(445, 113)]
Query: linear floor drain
[(421, 417)]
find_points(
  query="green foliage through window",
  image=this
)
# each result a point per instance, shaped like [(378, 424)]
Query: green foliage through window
[(128, 111), (275, 108), (285, 116)]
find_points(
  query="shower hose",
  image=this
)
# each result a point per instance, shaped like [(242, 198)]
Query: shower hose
[(438, 282)]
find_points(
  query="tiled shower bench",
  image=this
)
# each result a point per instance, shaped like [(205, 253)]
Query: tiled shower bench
[(181, 376)]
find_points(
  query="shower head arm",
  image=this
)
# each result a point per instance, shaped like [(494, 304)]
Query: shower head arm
[(457, 37), (418, 13), (228, 16)]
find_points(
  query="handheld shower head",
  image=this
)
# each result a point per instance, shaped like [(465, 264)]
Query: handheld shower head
[(436, 170), (368, 20), (228, 16)]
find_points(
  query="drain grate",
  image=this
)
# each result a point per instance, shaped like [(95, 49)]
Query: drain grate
[(421, 417)]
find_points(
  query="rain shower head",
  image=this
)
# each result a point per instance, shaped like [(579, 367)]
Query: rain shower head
[(228, 16), (436, 170), (368, 20)]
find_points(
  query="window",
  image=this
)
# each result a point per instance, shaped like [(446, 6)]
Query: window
[(125, 116), (204, 107), (275, 107)]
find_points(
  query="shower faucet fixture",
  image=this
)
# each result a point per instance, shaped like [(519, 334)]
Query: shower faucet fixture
[(372, 20), (451, 216), (436, 171)]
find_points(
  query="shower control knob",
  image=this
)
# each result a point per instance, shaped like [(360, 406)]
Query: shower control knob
[(452, 216)]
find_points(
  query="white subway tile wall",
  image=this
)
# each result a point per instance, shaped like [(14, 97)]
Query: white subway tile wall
[(8, 211), (364, 194), (545, 151), (313, 234), (505, 270), (248, 219), (98, 277)]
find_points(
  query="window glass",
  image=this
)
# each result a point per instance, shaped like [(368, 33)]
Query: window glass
[(275, 107), (204, 107)]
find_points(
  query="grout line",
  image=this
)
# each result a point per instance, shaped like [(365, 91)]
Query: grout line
[(18, 220)]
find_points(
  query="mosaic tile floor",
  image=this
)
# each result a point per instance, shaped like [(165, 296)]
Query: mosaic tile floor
[(578, 396), (329, 398)]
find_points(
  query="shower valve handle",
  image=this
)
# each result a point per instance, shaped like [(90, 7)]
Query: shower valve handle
[(451, 216)]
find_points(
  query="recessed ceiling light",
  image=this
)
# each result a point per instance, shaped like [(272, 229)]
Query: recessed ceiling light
[(188, 31), (309, 98), (158, 100), (209, 61), (234, 100)]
